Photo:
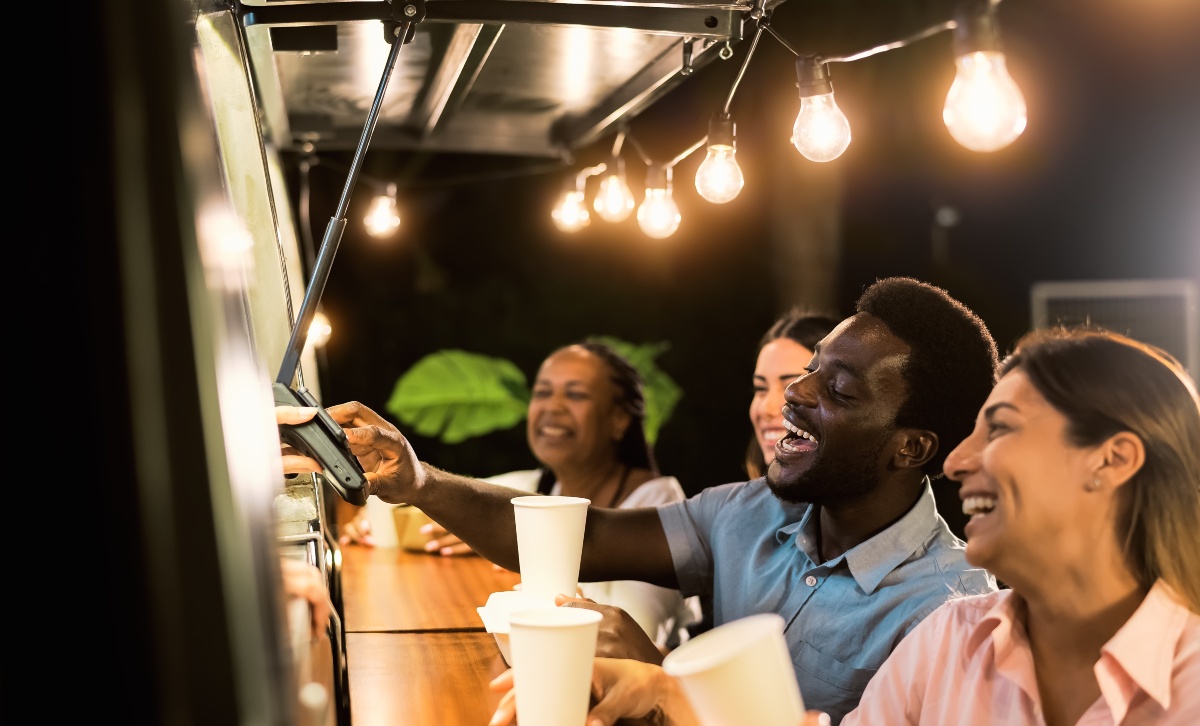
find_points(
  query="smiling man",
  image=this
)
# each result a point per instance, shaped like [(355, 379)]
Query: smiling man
[(842, 537)]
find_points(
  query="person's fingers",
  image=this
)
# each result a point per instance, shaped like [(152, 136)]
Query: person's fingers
[(439, 543), (456, 550), (293, 415), (502, 682), (506, 710), (353, 413), (444, 543), (299, 464), (448, 547), (816, 718), (363, 540), (603, 715), (357, 532), (306, 581), (368, 438), (433, 529), (568, 600), (609, 708)]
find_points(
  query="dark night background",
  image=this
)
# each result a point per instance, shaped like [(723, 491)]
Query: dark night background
[(1104, 184)]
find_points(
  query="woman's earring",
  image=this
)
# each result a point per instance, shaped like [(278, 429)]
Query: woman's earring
[(1093, 485)]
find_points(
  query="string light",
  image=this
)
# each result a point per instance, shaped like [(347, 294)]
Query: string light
[(571, 214), (658, 216), (719, 178), (984, 110), (821, 132), (319, 330), (614, 201), (383, 218), (383, 215)]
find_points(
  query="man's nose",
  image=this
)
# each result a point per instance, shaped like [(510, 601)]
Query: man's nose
[(801, 392)]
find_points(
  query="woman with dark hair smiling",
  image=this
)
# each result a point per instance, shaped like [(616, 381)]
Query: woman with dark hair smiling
[(783, 354), (586, 428)]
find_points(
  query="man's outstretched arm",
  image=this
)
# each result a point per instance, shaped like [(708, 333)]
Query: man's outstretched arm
[(618, 544)]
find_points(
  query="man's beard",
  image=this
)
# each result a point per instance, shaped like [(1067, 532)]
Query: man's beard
[(830, 479)]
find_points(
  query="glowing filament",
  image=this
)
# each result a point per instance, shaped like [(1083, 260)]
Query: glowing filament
[(571, 214), (614, 202), (821, 132), (984, 110), (382, 218), (658, 216), (719, 178)]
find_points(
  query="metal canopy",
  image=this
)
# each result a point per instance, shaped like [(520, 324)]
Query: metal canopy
[(512, 77)]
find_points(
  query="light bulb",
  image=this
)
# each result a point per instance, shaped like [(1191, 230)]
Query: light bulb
[(319, 330), (571, 214), (658, 216), (985, 110), (821, 131), (382, 218), (719, 178), (614, 202)]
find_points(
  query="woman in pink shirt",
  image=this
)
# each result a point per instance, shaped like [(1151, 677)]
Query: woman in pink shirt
[(1082, 482)]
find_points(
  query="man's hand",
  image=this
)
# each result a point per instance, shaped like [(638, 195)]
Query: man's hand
[(625, 689), (620, 635), (621, 689), (393, 472)]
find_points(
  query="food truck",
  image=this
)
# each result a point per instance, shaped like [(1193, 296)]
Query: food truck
[(197, 285)]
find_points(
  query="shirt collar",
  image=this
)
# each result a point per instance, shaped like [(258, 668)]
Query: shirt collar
[(1145, 645), (1143, 648), (1001, 623), (872, 560)]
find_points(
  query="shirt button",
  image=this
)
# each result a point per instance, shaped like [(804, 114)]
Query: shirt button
[(810, 581)]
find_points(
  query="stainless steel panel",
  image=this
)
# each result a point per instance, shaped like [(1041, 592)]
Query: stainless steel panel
[(499, 76)]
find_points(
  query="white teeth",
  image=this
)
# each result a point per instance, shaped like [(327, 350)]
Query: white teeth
[(554, 430), (799, 432), (978, 505), (772, 436)]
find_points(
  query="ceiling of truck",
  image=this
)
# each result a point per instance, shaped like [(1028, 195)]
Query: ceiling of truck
[(513, 77)]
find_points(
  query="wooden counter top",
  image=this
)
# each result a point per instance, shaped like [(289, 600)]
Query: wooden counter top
[(416, 650), (391, 590), (422, 679)]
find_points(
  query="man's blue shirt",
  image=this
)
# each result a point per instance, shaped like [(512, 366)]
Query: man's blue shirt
[(756, 554)]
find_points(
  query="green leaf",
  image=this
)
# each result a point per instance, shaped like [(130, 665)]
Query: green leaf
[(454, 395), (662, 393)]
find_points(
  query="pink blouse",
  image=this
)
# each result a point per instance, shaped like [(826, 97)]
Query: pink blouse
[(969, 663)]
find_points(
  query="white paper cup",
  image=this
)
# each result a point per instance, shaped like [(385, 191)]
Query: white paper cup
[(549, 543), (739, 673), (552, 653), (496, 611)]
